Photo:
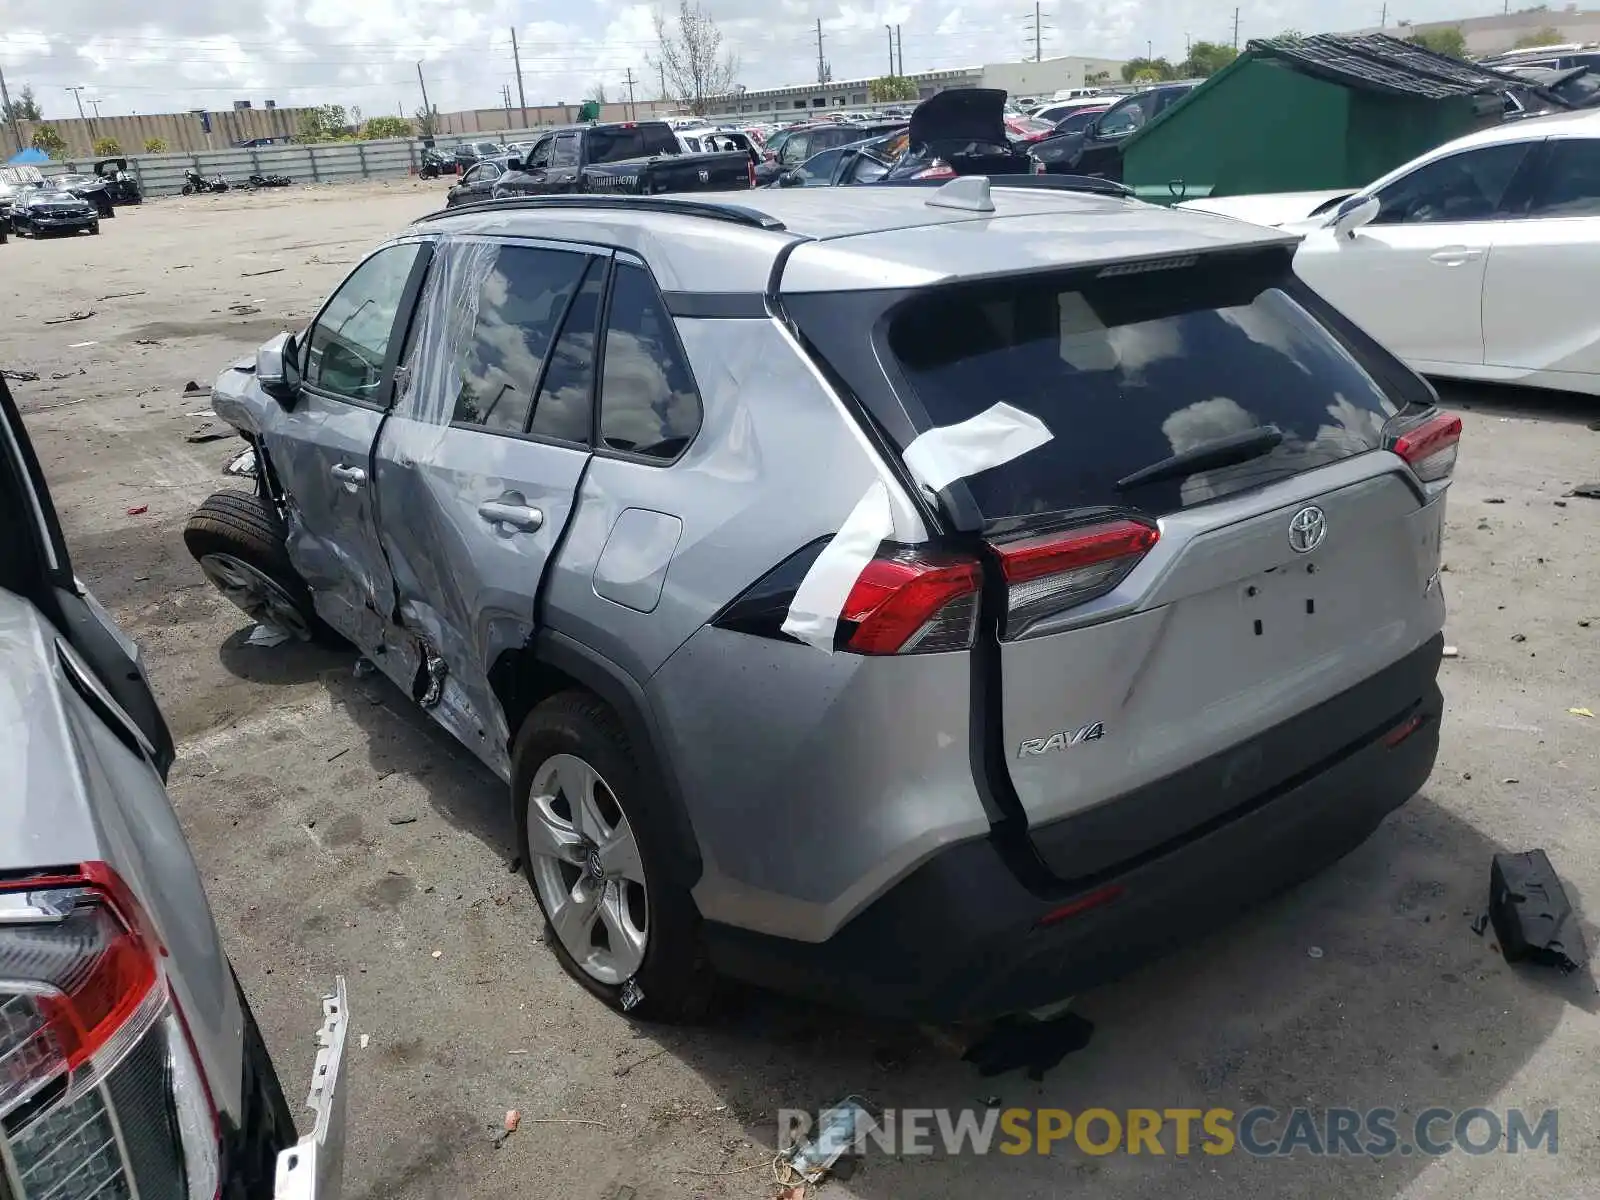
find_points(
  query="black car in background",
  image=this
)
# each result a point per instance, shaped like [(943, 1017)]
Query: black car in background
[(121, 187), (468, 153), (39, 210), (957, 132), (795, 146), (1097, 148), (478, 180), (86, 187)]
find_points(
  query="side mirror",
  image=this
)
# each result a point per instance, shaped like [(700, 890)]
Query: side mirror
[(514, 165), (278, 369), (789, 178), (1353, 214)]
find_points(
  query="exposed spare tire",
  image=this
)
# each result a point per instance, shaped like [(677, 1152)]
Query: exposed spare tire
[(238, 540)]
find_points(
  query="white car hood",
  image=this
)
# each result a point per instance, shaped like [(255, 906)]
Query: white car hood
[(1280, 208)]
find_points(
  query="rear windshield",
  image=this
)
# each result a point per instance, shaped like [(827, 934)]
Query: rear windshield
[(620, 143), (1131, 370)]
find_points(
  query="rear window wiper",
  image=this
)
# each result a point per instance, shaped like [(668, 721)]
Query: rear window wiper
[(1208, 456)]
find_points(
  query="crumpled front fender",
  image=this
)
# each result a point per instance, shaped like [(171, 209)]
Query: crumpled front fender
[(237, 398)]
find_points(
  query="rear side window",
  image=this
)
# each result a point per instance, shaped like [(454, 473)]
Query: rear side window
[(1569, 185), (503, 331), (648, 401), (1132, 370), (566, 151), (566, 396), (1460, 187), (614, 144)]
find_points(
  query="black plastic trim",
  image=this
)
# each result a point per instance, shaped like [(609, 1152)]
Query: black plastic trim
[(728, 306), (627, 698), (736, 214)]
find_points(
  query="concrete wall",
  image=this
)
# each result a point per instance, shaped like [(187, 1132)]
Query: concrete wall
[(1491, 35), (1041, 79), (181, 131), (495, 120), (840, 93)]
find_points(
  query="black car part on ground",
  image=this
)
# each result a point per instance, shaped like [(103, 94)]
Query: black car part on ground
[(1531, 913), (194, 183), (270, 181)]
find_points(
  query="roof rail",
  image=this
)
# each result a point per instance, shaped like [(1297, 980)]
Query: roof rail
[(713, 210), (1049, 183)]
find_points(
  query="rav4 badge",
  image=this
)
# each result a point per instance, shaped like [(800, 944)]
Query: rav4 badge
[(1062, 740)]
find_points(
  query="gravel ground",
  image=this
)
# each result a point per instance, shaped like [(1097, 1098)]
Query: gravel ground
[(340, 832)]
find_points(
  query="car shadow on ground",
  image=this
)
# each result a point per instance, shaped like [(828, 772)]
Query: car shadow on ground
[(1364, 988), (1505, 400)]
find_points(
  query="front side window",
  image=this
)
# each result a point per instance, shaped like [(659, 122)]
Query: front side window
[(795, 150), (509, 305), (1570, 181), (1460, 187), (1125, 117), (648, 401), (818, 170), (348, 345), (541, 154), (473, 176), (565, 153)]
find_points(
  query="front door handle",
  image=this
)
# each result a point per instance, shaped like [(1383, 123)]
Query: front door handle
[(1455, 256), (516, 516), (351, 477)]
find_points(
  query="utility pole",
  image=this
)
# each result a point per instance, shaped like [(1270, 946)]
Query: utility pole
[(5, 98), (1236, 29), (77, 94), (633, 108), (427, 109), (1038, 34), (901, 42), (822, 67), (1383, 19), (516, 55), (889, 29), (661, 69)]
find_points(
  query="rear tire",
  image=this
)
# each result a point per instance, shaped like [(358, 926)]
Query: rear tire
[(188, 189), (239, 542), (674, 976)]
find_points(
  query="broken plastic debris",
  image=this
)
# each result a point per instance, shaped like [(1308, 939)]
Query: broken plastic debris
[(366, 1040), (1480, 923), (364, 667), (1314, 952), (438, 953), (1581, 712), (1531, 913), (632, 995), (1451, 652), (513, 1119), (1034, 1046), (138, 510), (838, 1132), (266, 636), (242, 464)]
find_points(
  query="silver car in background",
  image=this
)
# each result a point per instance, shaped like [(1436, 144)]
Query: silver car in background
[(130, 1065)]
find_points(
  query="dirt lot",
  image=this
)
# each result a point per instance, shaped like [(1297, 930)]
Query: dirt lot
[(339, 832)]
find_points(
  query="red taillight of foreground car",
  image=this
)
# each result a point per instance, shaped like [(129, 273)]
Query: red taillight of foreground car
[(1051, 572), (911, 603), (1430, 446)]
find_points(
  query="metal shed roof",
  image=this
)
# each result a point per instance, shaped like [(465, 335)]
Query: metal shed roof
[(1375, 62)]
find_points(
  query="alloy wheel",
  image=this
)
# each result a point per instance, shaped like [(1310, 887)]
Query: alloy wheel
[(256, 594)]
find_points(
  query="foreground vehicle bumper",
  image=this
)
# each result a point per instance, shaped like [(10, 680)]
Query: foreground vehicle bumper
[(964, 938)]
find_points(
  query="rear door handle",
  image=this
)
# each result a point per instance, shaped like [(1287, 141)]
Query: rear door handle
[(351, 477), (1455, 256), (517, 516)]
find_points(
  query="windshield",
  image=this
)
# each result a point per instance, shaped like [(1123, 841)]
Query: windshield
[(618, 143), (1127, 374)]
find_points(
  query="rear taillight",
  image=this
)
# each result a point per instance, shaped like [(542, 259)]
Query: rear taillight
[(911, 603), (82, 990), (750, 172), (1051, 572), (1430, 446), (937, 169)]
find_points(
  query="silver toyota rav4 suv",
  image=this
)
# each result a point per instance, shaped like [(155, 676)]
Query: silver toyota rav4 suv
[(130, 1065), (932, 600)]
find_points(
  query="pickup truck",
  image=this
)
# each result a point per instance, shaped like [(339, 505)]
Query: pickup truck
[(639, 158)]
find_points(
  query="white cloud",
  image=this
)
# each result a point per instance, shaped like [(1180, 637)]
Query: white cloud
[(171, 55)]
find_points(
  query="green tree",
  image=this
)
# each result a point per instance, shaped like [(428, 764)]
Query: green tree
[(1145, 70), (47, 139), (1290, 35), (1441, 41), (324, 123), (1206, 59), (24, 107), (386, 127), (1547, 35), (1097, 77), (107, 147), (888, 88), (155, 145)]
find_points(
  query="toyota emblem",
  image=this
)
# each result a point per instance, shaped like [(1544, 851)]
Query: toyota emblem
[(1307, 528)]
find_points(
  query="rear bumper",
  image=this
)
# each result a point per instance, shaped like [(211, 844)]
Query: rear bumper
[(960, 938)]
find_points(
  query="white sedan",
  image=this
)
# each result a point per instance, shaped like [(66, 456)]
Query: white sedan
[(1477, 260)]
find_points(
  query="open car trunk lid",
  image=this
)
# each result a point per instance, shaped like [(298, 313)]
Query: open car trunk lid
[(1274, 584), (961, 115)]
